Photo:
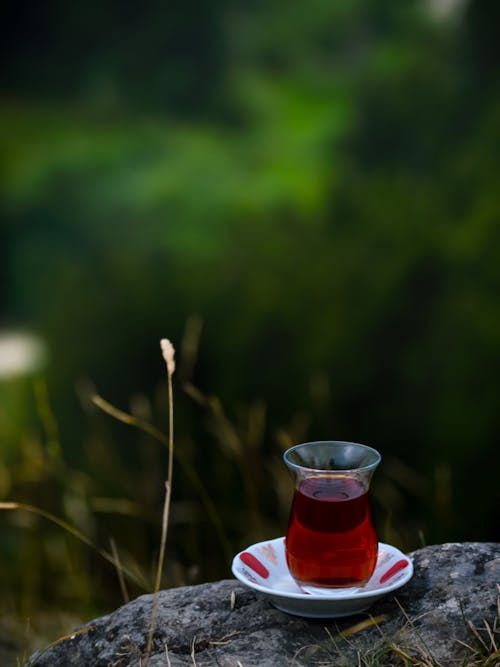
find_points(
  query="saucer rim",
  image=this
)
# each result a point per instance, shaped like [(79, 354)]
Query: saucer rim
[(276, 592)]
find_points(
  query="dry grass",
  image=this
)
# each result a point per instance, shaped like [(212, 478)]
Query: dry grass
[(168, 354), (481, 650)]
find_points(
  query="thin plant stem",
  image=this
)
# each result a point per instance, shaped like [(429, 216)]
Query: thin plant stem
[(47, 418), (168, 354), (193, 658), (33, 661), (121, 580), (76, 533), (228, 434), (168, 485), (169, 664), (191, 473), (126, 418)]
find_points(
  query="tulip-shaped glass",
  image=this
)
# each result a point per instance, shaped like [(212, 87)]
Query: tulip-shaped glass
[(331, 541)]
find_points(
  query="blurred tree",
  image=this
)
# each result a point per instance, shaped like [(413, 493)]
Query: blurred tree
[(153, 57)]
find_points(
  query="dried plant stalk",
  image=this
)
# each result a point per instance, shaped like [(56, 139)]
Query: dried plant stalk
[(168, 352)]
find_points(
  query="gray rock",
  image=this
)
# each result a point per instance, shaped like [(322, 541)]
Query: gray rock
[(227, 625)]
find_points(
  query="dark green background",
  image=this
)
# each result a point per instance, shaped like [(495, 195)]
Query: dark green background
[(318, 184)]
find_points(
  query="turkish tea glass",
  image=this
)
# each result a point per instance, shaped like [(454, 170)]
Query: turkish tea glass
[(331, 541)]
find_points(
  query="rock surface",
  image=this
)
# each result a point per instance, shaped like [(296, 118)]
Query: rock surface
[(228, 625)]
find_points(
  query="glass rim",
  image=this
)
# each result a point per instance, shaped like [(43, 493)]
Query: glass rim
[(335, 444)]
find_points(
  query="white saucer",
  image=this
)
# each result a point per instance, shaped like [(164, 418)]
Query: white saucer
[(263, 567)]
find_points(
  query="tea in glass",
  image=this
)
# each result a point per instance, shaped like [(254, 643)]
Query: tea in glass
[(331, 541)]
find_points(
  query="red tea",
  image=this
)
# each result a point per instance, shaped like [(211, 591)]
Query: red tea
[(331, 540)]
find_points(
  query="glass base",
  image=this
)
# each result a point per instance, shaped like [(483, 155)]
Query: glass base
[(331, 592)]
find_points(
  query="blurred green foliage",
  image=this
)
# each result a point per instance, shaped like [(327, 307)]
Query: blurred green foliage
[(318, 185)]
